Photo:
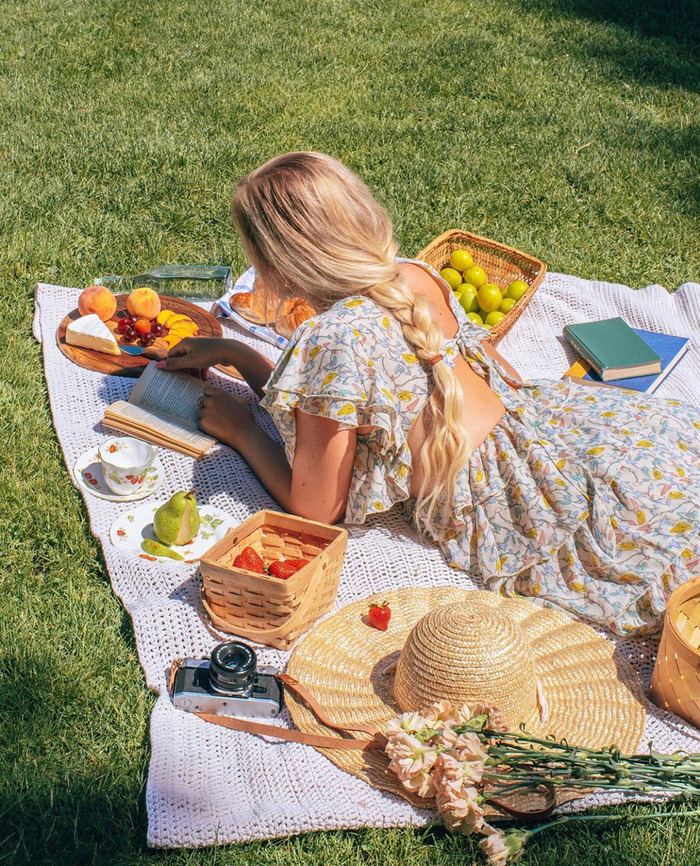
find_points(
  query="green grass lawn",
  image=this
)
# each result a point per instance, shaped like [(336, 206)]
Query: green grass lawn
[(566, 128)]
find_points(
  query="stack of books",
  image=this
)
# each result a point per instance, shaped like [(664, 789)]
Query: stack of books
[(613, 353)]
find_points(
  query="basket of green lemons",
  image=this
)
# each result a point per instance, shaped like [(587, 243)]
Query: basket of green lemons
[(493, 282)]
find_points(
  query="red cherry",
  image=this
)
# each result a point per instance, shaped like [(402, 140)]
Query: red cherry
[(147, 340), (129, 335), (124, 323), (157, 329)]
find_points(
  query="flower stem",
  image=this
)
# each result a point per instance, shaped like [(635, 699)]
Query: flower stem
[(565, 819)]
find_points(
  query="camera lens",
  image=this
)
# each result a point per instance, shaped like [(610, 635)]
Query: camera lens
[(232, 669)]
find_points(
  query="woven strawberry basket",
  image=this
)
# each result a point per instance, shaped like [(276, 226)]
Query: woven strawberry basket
[(266, 609), (502, 264)]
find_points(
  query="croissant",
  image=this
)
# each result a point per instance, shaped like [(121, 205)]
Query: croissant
[(291, 314), (257, 306)]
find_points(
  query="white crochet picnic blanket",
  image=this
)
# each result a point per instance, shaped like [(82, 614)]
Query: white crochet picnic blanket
[(210, 786)]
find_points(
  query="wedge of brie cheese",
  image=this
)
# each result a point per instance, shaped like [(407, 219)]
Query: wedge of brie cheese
[(90, 332)]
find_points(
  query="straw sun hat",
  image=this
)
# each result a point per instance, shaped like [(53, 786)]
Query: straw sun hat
[(538, 666)]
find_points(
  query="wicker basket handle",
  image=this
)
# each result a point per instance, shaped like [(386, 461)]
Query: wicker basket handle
[(264, 634)]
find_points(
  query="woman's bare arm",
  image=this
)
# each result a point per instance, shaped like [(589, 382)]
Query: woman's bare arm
[(316, 486)]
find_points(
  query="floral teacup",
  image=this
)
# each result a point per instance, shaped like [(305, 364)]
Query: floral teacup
[(125, 462)]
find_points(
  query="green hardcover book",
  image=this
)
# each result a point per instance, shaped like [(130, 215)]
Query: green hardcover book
[(613, 349)]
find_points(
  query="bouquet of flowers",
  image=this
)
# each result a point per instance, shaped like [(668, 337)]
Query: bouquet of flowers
[(466, 757)]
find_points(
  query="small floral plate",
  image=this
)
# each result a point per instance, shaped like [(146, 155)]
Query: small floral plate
[(89, 476), (129, 531)]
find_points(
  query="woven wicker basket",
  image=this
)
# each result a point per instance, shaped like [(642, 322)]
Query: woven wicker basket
[(266, 609), (675, 683), (502, 264)]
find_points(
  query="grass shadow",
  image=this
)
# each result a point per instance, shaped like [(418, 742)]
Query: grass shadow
[(653, 43), (77, 797)]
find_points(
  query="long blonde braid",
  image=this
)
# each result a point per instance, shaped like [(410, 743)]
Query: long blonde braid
[(309, 222), (446, 448)]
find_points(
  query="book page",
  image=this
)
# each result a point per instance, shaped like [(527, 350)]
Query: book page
[(172, 394), (165, 426)]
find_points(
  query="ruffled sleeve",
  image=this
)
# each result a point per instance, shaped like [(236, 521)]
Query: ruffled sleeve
[(325, 370)]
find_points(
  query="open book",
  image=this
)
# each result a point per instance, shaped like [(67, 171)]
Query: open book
[(162, 409)]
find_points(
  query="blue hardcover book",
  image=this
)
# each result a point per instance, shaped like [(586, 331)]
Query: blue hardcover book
[(669, 348)]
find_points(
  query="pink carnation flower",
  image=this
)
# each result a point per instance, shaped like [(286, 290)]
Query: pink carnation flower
[(408, 756), (439, 715), (456, 794), (411, 722), (495, 848)]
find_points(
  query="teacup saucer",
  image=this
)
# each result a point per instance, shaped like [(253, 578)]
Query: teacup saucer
[(88, 476)]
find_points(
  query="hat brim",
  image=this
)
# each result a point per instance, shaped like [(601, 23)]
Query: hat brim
[(593, 695)]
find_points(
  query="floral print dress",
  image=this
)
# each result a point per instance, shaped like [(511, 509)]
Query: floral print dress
[(584, 498)]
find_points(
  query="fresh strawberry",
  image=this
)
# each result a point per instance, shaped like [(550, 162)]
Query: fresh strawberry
[(285, 568), (379, 615), (250, 561)]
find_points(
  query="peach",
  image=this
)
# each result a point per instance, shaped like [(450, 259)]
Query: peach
[(99, 300), (143, 303)]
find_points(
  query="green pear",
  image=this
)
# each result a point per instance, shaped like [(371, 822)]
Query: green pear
[(177, 521)]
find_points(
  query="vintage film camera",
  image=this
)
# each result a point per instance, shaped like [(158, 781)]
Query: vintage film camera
[(228, 683)]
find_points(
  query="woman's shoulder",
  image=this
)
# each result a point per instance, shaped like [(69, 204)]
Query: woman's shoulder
[(329, 339), (353, 319)]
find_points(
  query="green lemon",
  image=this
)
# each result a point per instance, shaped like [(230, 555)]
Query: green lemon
[(476, 318), (452, 277), (460, 260), (493, 318), (507, 305), (468, 301), (516, 289), (490, 297), (475, 276)]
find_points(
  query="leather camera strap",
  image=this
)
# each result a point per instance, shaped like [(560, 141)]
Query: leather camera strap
[(316, 740), (377, 740)]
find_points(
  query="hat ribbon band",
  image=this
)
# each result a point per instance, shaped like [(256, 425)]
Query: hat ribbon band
[(530, 814), (302, 692)]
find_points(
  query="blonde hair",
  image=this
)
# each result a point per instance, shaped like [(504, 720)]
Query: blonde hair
[(309, 221)]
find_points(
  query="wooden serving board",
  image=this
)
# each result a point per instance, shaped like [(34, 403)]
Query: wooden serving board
[(132, 365)]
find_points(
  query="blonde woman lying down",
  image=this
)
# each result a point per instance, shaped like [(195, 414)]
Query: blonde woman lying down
[(585, 498)]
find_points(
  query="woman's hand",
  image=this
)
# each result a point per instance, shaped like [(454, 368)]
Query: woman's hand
[(192, 354), (223, 415)]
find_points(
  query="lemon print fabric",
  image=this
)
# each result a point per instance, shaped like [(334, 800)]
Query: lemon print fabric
[(587, 500)]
